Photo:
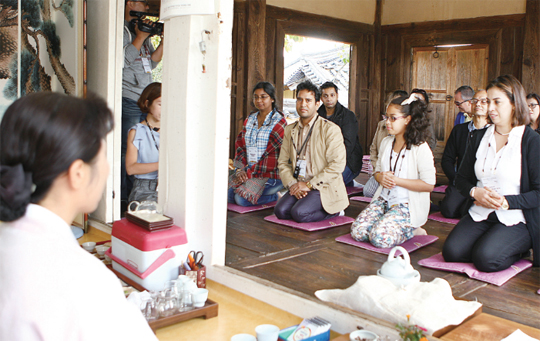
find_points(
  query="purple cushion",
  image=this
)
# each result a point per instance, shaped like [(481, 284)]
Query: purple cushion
[(362, 199), (410, 245), (319, 225), (440, 189), (496, 278), (354, 190), (246, 209), (439, 217)]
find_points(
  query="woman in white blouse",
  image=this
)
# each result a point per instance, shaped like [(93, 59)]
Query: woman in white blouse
[(405, 172), (53, 166), (500, 172)]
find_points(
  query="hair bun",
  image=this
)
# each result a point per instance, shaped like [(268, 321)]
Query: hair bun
[(15, 191)]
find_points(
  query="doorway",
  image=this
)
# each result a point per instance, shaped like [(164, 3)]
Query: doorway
[(440, 71)]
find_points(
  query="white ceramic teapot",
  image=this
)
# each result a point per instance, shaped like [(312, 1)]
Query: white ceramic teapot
[(399, 270)]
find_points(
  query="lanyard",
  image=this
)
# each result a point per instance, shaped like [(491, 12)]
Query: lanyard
[(397, 158), (152, 133), (299, 152)]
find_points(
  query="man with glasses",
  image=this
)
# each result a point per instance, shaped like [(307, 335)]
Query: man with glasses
[(347, 122), (462, 100), (140, 59), (452, 206)]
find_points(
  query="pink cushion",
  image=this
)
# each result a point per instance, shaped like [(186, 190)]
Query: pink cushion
[(362, 199), (439, 217), (246, 209), (496, 278), (354, 190), (319, 225), (440, 189), (410, 245)]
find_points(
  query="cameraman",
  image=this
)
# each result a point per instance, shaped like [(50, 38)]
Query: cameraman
[(140, 59)]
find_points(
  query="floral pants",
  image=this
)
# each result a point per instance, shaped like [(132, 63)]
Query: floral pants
[(382, 225)]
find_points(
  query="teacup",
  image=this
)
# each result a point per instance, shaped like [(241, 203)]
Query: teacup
[(199, 297), (100, 249), (363, 335), (267, 332), (89, 246), (243, 337)]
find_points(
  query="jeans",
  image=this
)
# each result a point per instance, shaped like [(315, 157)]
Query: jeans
[(306, 210), (349, 176), (269, 194), (489, 244), (144, 190), (131, 115)]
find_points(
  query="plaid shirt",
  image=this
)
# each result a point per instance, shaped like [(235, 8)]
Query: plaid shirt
[(267, 140)]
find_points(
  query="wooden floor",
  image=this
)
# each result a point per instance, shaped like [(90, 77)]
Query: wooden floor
[(309, 261)]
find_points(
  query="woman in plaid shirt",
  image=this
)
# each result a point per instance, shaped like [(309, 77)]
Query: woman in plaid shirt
[(256, 178)]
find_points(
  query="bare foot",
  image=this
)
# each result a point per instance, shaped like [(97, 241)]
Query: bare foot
[(419, 232)]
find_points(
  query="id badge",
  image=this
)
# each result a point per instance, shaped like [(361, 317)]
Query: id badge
[(252, 154), (302, 170), (146, 64), (492, 183)]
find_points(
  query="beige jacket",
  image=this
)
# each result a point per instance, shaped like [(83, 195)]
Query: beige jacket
[(328, 160), (374, 149)]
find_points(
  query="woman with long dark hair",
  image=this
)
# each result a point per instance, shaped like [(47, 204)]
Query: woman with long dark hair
[(500, 172), (405, 172), (53, 166), (256, 178)]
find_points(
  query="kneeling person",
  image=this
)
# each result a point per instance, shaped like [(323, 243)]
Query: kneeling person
[(310, 163)]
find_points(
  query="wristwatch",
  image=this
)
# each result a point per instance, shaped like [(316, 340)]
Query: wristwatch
[(505, 205), (309, 185)]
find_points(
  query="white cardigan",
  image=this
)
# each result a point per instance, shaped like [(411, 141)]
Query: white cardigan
[(420, 166)]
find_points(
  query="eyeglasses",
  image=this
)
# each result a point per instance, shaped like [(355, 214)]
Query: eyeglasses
[(263, 97), (460, 103), (481, 100), (392, 118), (532, 105)]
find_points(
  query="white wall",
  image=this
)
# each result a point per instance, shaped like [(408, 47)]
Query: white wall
[(195, 128)]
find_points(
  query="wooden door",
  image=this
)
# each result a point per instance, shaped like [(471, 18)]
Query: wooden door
[(440, 72)]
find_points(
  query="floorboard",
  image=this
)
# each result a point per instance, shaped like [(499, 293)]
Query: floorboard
[(310, 261)]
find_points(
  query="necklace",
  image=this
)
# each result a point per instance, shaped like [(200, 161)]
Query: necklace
[(503, 134)]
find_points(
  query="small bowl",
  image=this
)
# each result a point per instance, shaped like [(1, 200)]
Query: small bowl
[(100, 249), (363, 335), (89, 246)]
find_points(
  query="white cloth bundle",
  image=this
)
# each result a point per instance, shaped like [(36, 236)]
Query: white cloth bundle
[(430, 304)]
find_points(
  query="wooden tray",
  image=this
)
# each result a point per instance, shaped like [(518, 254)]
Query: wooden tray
[(209, 310)]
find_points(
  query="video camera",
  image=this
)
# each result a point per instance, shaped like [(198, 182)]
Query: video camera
[(155, 28)]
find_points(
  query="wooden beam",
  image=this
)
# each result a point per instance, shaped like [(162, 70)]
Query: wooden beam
[(256, 39), (531, 48), (375, 79)]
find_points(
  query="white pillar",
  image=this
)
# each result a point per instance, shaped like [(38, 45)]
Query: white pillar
[(195, 128)]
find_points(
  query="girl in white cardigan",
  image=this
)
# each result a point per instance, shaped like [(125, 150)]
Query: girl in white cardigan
[(405, 172)]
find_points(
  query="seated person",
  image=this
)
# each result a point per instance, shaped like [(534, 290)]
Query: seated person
[(142, 155), (533, 101), (311, 163), (406, 174), (452, 204), (256, 178), (501, 173), (347, 122), (371, 185)]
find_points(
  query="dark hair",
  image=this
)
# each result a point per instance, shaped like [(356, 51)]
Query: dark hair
[(43, 133), (516, 94), (391, 96), (327, 85), (466, 91), (417, 130), (309, 86), (150, 94), (269, 89), (423, 93), (537, 98)]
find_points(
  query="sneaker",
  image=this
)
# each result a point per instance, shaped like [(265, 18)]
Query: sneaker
[(357, 184)]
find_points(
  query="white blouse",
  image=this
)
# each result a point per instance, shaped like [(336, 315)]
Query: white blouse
[(396, 195), (500, 171), (52, 289)]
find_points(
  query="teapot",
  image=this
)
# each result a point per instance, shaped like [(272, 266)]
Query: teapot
[(145, 207), (399, 270)]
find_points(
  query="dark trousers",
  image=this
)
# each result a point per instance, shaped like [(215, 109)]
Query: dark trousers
[(489, 244), (453, 205), (349, 176), (306, 210)]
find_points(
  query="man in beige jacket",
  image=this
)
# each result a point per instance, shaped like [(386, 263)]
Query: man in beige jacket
[(310, 163)]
